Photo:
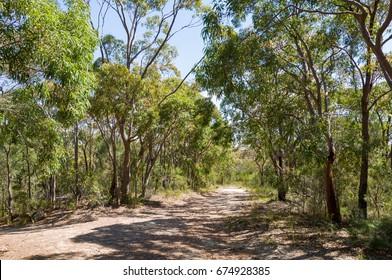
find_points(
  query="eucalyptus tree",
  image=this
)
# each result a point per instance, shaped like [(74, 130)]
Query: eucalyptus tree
[(299, 48), (117, 96), (251, 86), (159, 126), (104, 118), (373, 19), (113, 51), (363, 77), (6, 144), (206, 134), (41, 43), (365, 26), (147, 27), (46, 54), (33, 149), (198, 141)]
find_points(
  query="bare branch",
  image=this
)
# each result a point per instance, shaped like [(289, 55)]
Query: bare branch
[(386, 40), (165, 40), (384, 26), (317, 11), (358, 5), (182, 81), (158, 32), (353, 62), (378, 98)]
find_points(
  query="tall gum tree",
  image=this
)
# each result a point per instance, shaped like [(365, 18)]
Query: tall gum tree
[(300, 50), (367, 22), (373, 20), (148, 27), (46, 50)]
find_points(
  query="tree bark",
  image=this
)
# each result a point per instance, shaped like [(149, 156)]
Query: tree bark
[(282, 170), (76, 163), (28, 165), (365, 134), (376, 44), (332, 203), (28, 172), (114, 189), (9, 183), (85, 157), (147, 174), (363, 180), (52, 189), (126, 169)]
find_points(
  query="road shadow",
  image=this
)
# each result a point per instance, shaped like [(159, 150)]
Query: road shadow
[(219, 225), (275, 231), (157, 239)]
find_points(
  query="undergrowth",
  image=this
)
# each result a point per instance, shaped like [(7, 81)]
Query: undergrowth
[(374, 236)]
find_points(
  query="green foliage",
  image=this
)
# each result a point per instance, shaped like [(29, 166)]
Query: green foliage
[(54, 52), (45, 62), (291, 85), (373, 235)]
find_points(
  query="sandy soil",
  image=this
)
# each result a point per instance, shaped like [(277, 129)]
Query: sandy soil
[(219, 225)]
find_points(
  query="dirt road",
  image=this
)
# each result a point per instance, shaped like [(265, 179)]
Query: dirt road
[(217, 225)]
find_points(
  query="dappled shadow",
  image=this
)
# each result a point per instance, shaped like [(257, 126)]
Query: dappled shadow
[(156, 239), (193, 229), (152, 203), (375, 236), (59, 218), (217, 225), (274, 231), (63, 256)]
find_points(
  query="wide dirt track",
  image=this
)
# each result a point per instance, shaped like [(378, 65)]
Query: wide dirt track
[(222, 224)]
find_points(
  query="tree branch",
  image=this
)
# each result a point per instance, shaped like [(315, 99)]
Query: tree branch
[(316, 11), (182, 81), (378, 98), (384, 26)]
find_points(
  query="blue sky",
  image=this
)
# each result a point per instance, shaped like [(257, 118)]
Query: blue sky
[(188, 42)]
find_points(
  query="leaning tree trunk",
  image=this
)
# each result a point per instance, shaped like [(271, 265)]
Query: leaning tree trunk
[(147, 175), (146, 179), (332, 202)]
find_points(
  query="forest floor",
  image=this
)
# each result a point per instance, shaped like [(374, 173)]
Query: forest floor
[(222, 224)]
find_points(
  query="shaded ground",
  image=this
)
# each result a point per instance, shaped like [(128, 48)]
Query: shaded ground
[(219, 225)]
